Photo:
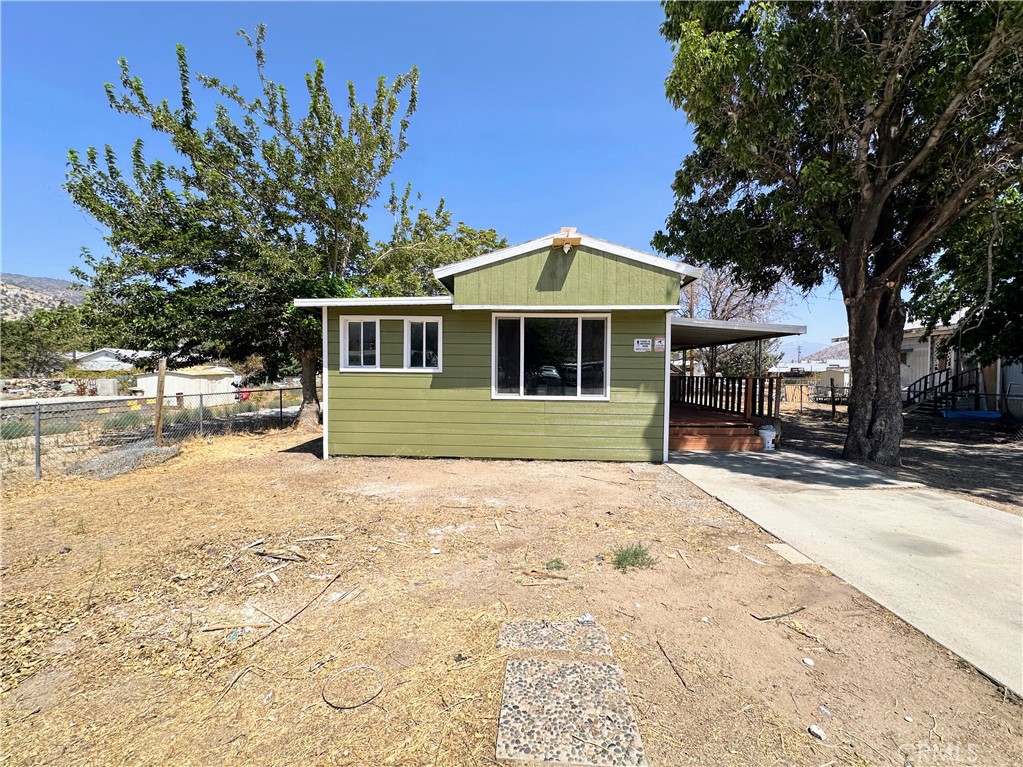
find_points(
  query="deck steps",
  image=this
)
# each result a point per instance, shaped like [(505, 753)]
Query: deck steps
[(706, 437)]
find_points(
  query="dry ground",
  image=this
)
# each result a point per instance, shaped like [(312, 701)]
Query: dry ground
[(106, 659), (981, 461)]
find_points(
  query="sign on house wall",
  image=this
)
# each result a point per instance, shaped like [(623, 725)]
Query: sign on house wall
[(642, 344)]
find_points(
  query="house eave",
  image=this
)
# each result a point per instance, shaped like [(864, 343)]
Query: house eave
[(317, 303)]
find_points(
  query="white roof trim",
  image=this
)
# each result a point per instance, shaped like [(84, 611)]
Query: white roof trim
[(766, 327), (684, 270), (526, 308), (311, 303)]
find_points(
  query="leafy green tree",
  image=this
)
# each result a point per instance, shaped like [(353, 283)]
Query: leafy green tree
[(264, 205), (841, 140), (976, 279), (420, 242), (36, 345)]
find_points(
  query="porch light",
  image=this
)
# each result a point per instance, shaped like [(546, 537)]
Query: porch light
[(567, 239)]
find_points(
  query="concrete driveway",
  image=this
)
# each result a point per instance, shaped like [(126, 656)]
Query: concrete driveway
[(951, 568)]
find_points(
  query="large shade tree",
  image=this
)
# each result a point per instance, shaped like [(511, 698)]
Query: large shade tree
[(977, 283), (262, 203), (840, 141)]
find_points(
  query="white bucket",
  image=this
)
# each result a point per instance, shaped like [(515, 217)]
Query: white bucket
[(769, 435)]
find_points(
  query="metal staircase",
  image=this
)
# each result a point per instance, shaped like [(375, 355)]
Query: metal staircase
[(942, 390)]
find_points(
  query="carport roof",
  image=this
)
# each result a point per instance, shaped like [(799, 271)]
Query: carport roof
[(690, 333)]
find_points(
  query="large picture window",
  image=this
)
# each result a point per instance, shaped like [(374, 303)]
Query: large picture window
[(551, 356)]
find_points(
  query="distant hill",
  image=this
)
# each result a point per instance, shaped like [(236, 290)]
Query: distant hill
[(839, 351), (21, 295)]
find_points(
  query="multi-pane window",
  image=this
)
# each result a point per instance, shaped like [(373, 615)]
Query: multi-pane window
[(360, 343), (423, 344), (384, 344), (551, 356)]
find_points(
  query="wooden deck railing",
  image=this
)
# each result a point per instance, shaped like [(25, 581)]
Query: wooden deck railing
[(746, 396)]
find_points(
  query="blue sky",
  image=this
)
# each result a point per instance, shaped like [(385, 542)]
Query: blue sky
[(532, 116)]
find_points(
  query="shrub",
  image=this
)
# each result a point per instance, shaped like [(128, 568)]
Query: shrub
[(554, 564), (127, 420), (636, 555), (15, 430)]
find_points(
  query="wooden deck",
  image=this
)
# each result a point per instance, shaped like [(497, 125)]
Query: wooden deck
[(696, 428), (692, 415)]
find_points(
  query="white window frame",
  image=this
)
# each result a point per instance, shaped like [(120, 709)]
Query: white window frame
[(408, 345), (345, 367), (406, 338), (521, 317)]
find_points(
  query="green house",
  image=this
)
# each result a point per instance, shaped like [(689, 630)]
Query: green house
[(555, 348)]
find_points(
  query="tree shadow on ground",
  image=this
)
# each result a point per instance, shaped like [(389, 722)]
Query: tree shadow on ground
[(975, 458)]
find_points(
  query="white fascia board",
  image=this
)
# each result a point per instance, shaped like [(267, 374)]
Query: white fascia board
[(492, 258), (687, 272), (767, 327), (315, 303), (692, 272), (525, 309)]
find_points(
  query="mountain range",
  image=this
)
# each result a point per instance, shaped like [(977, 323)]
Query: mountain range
[(20, 295)]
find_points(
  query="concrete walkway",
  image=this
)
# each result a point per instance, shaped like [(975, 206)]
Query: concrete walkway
[(950, 567)]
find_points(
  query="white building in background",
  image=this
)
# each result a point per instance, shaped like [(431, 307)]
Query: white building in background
[(107, 358), (200, 379)]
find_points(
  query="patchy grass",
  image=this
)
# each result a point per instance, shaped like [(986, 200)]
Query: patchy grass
[(636, 555), (555, 564)]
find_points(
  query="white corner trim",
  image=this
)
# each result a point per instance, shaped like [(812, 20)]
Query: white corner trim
[(325, 383), (677, 267), (536, 309), (313, 303), (667, 381)]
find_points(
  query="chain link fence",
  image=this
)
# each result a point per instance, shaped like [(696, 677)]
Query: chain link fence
[(47, 438)]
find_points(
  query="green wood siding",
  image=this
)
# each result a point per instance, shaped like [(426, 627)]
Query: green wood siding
[(553, 278), (452, 414), (392, 343)]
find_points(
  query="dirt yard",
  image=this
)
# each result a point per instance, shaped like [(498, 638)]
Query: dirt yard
[(137, 628), (981, 461)]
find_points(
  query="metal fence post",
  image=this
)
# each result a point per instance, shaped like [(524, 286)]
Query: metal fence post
[(39, 432), (280, 406), (200, 415)]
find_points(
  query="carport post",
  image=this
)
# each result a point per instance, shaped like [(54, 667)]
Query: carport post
[(39, 432), (200, 414)]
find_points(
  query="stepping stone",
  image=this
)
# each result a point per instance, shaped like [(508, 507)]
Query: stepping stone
[(567, 713), (569, 636), (789, 554)]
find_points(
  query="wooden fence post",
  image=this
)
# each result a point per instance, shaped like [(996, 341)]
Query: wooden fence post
[(161, 374)]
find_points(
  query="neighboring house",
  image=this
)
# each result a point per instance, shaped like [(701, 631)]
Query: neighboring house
[(200, 379), (555, 348), (107, 359), (933, 362), (999, 384)]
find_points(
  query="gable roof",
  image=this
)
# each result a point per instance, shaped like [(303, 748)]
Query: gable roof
[(686, 272)]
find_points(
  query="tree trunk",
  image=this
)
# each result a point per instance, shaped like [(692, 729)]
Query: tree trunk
[(876, 322), (309, 414)]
